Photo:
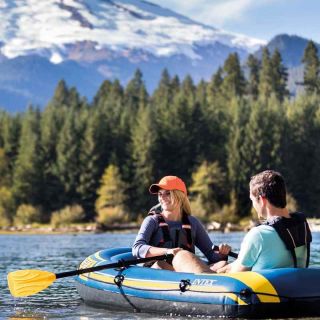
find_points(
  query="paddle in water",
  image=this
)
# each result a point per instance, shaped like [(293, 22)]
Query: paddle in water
[(23, 283)]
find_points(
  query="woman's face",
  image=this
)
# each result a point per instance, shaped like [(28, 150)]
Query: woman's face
[(165, 199)]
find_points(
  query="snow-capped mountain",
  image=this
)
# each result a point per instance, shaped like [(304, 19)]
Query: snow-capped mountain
[(111, 38)]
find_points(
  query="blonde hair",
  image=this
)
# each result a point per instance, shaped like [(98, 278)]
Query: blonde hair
[(181, 199)]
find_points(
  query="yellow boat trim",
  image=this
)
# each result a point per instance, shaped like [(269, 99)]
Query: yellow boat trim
[(83, 277), (98, 257), (257, 283), (87, 263)]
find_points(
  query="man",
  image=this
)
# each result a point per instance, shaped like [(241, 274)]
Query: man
[(283, 241)]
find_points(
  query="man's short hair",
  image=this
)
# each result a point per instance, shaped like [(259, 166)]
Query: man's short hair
[(270, 185)]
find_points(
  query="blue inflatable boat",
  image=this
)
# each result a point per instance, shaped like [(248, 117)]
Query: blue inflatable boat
[(275, 293)]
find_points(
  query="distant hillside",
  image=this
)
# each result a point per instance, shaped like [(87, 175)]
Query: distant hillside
[(291, 48)]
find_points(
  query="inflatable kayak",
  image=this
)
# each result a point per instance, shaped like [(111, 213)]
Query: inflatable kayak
[(286, 292)]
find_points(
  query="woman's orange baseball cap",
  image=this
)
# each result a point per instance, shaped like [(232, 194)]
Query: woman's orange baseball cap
[(168, 183)]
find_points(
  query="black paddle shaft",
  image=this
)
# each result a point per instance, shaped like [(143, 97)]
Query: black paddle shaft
[(119, 264), (125, 263)]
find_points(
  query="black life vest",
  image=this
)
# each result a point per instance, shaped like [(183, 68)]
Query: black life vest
[(294, 232), (186, 226)]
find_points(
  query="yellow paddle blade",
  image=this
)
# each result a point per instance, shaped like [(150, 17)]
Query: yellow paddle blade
[(24, 283)]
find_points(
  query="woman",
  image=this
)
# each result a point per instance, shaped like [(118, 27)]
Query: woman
[(170, 227)]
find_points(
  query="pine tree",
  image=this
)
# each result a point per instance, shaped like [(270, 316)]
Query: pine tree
[(61, 95), (109, 102), (135, 95), (238, 169), (233, 80), (5, 172), (91, 160), (10, 132), (253, 82), (311, 68), (68, 153), (201, 93), (302, 152), (188, 90), (214, 87), (266, 75), (28, 186), (144, 155), (280, 76), (51, 123)]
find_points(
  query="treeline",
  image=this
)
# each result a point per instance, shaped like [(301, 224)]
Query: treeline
[(80, 161)]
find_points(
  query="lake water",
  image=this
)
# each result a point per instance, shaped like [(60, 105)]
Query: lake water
[(59, 253)]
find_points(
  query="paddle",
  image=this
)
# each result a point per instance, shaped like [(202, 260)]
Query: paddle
[(23, 283)]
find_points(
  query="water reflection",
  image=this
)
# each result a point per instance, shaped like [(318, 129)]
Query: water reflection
[(59, 253)]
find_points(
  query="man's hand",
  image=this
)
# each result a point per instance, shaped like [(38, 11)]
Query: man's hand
[(224, 269)]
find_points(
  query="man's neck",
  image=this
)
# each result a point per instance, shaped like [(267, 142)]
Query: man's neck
[(273, 212)]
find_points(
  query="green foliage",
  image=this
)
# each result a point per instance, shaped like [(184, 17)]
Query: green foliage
[(6, 207), (253, 81), (291, 203), (302, 152), (213, 134), (111, 215), (27, 214), (266, 75), (111, 194), (144, 153), (233, 79), (67, 166), (311, 73), (229, 212), (5, 178), (10, 134), (28, 171), (91, 161), (208, 187), (280, 76), (69, 214)]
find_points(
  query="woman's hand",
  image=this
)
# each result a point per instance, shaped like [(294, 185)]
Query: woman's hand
[(173, 251), (224, 249)]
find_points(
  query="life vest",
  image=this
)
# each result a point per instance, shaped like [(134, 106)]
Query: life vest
[(188, 244), (294, 232)]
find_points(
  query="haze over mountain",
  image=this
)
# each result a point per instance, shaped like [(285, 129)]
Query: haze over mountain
[(85, 42)]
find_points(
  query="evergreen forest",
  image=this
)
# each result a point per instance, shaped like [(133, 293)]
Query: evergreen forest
[(79, 161)]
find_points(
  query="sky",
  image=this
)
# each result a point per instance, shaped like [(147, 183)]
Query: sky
[(262, 19)]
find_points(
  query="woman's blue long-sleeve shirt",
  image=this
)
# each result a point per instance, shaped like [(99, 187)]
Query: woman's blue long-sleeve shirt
[(150, 235)]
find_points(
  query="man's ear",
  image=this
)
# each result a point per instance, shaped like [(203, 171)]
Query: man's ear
[(263, 199)]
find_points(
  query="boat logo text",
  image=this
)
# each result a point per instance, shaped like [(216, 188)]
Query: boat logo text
[(203, 282)]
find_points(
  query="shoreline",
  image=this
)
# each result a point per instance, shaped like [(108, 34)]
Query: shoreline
[(72, 229), (314, 224)]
